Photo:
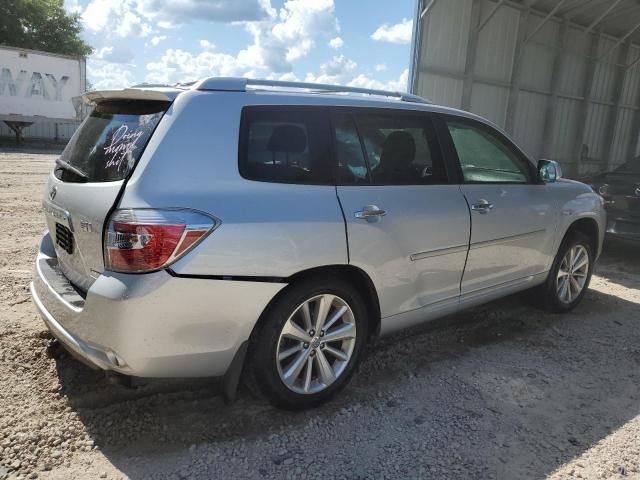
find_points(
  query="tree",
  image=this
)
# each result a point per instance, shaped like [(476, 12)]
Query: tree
[(41, 25)]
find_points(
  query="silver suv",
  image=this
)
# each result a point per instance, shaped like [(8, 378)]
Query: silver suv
[(269, 230)]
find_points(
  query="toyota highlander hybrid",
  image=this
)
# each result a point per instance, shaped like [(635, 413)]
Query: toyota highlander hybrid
[(269, 230)]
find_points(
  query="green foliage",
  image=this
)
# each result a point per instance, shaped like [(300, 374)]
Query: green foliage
[(41, 25)]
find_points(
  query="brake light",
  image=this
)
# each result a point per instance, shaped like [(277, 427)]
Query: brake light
[(144, 240)]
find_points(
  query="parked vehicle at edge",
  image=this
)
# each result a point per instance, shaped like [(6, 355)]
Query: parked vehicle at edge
[(237, 226), (620, 189)]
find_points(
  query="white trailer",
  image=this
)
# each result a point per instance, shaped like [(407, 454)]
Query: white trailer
[(40, 87)]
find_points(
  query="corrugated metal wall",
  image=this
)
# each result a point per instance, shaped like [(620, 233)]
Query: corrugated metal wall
[(541, 86)]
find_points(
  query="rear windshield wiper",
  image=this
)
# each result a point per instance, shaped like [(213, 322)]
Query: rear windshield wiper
[(70, 168)]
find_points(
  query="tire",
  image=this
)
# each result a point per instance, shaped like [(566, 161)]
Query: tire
[(562, 296), (275, 374)]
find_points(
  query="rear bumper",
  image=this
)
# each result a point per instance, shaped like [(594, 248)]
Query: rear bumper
[(149, 325), (624, 227)]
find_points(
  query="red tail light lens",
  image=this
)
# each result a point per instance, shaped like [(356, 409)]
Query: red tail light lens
[(144, 240)]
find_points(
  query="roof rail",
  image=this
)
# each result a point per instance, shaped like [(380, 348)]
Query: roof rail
[(234, 84)]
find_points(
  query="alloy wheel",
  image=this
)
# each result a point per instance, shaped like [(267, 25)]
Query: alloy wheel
[(572, 274), (316, 344)]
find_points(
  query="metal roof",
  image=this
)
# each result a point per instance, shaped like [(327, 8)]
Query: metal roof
[(618, 18)]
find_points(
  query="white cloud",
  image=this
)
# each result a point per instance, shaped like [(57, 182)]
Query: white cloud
[(206, 45), (115, 18), (136, 17), (279, 39), (171, 12), (399, 85), (342, 71), (398, 33), (285, 37), (106, 75), (288, 77), (113, 54), (300, 21), (339, 70), (338, 65), (336, 43), (177, 65), (157, 39)]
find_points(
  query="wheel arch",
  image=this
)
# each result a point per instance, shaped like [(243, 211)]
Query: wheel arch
[(589, 227), (355, 275)]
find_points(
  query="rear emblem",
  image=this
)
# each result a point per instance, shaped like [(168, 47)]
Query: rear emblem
[(85, 226), (53, 192)]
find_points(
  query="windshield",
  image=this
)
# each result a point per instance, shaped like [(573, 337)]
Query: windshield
[(107, 145), (632, 166)]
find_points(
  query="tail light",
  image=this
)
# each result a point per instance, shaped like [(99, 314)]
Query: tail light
[(144, 240)]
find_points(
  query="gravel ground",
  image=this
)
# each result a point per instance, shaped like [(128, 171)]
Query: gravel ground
[(502, 391)]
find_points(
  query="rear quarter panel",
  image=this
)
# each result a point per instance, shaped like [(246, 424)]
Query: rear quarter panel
[(267, 229)]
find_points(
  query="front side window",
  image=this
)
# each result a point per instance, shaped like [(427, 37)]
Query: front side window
[(394, 148), (284, 145), (484, 157)]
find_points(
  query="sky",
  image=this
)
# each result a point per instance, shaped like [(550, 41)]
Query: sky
[(352, 42)]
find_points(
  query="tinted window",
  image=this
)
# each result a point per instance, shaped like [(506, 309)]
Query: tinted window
[(484, 157), (401, 149), (285, 145), (110, 141)]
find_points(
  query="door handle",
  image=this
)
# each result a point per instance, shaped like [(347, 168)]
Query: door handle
[(482, 206), (370, 213)]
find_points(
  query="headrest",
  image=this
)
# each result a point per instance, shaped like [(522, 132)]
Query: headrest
[(399, 147), (288, 138)]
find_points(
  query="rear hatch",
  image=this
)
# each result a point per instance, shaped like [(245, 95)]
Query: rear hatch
[(90, 174)]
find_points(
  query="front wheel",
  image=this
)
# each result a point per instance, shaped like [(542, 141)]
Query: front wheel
[(570, 275), (309, 342)]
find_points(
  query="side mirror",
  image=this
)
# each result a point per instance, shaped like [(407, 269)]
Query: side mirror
[(549, 171)]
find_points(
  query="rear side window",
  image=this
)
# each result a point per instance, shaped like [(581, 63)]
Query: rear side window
[(389, 148), (285, 145), (107, 145)]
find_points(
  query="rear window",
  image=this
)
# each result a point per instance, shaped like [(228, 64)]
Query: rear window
[(107, 145), (285, 145)]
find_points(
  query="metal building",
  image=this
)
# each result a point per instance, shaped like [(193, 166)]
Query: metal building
[(561, 76)]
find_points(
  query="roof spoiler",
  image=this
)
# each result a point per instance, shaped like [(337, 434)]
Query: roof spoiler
[(128, 94)]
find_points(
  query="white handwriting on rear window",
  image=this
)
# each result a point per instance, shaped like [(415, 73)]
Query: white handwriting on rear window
[(122, 144)]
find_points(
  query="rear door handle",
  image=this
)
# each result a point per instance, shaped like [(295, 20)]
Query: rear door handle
[(482, 206), (370, 213)]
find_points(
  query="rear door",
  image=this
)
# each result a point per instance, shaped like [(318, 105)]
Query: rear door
[(513, 216), (407, 226), (88, 177)]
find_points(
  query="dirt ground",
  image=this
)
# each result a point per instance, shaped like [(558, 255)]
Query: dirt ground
[(504, 391)]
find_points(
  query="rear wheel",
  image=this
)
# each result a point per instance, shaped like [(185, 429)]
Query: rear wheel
[(570, 275), (309, 343)]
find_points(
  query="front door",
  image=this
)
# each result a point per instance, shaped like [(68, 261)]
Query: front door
[(512, 215), (406, 225)]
